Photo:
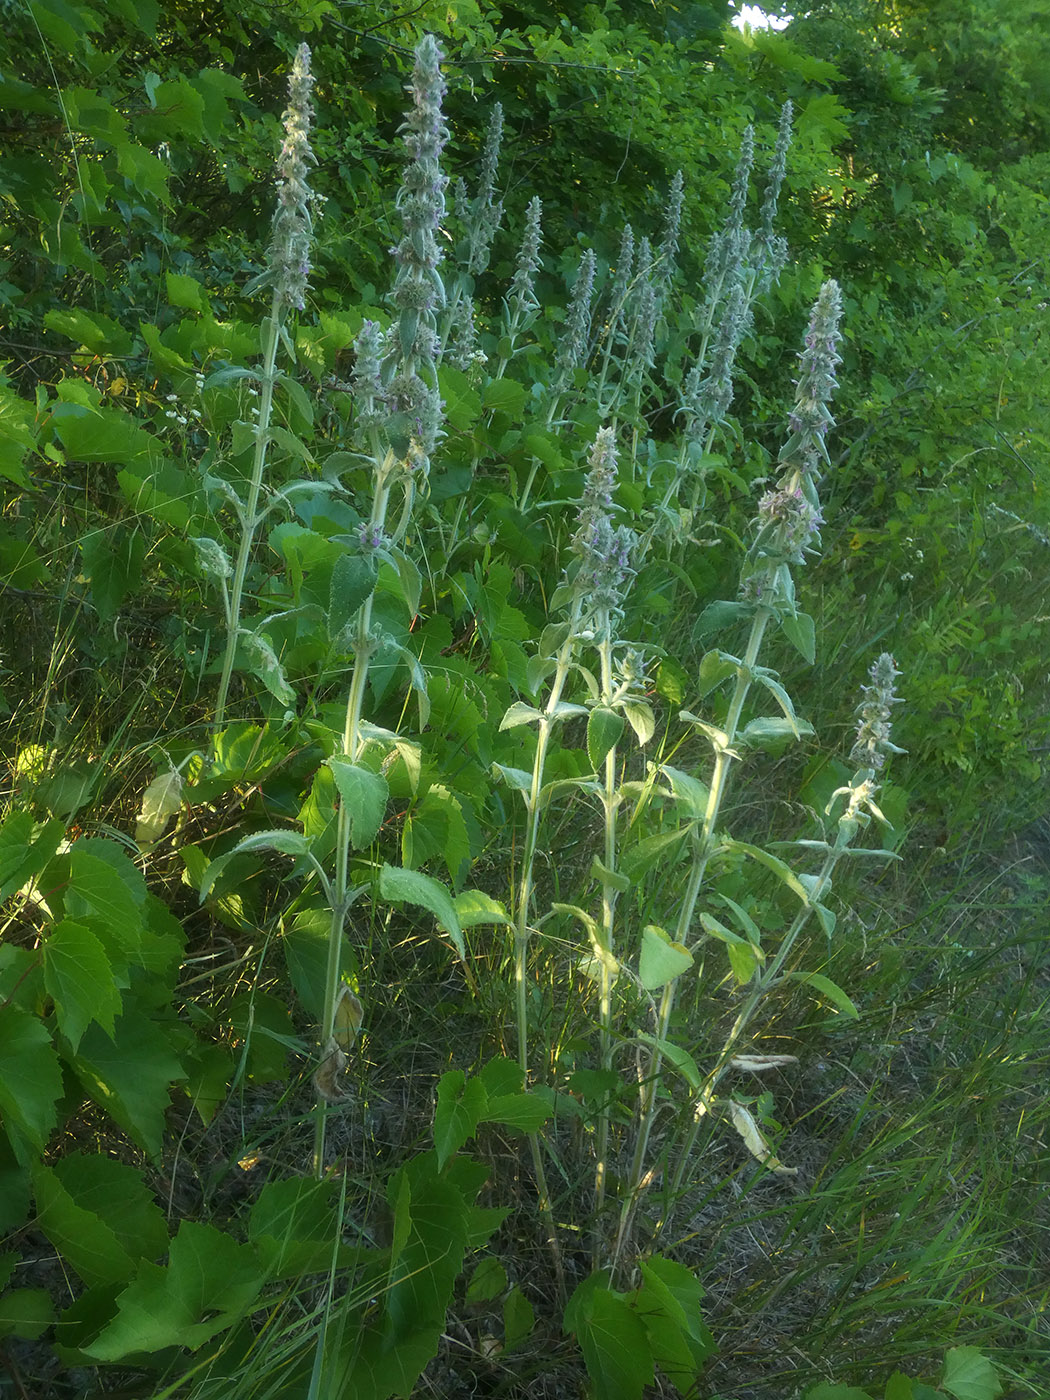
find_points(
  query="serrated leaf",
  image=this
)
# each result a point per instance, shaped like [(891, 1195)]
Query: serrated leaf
[(131, 1075), (518, 1318), (79, 978), (365, 795), (353, 581), (209, 1281), (488, 1281), (474, 907), (613, 1341), (460, 1106), (661, 960), (526, 1112), (969, 1375), (604, 727), (413, 887), (827, 988), (23, 854), (520, 713), (81, 1238), (31, 1080)]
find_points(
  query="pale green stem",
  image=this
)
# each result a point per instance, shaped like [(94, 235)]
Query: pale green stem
[(704, 847), (521, 924), (363, 649), (267, 380), (607, 934)]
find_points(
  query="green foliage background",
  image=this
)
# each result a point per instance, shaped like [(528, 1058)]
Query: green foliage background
[(135, 199)]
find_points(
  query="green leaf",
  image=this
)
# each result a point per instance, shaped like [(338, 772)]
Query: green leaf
[(771, 733), (518, 1318), (31, 1080), (460, 1106), (610, 879), (641, 719), (801, 632), (690, 794), (504, 396), (781, 870), (185, 291), (613, 1341), (520, 713), (353, 581), (24, 854), (668, 1303), (79, 978), (969, 1375), (837, 1392), (113, 562), (93, 889), (487, 1282), (25, 1312), (474, 907), (209, 1281), (637, 860), (81, 1238), (365, 795), (526, 1112), (98, 333), (604, 727), (293, 1223), (130, 1075), (899, 1387), (661, 960), (827, 988), (681, 1059), (413, 887)]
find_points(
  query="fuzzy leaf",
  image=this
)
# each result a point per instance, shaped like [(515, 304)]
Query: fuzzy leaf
[(413, 887), (520, 713), (353, 581), (365, 794), (604, 727), (679, 1058), (474, 907), (641, 719)]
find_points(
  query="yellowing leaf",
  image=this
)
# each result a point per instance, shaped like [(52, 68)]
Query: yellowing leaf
[(349, 1013), (754, 1141), (160, 802)]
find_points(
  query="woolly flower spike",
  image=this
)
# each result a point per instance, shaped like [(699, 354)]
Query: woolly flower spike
[(485, 213), (668, 253), (771, 248), (573, 349), (789, 516), (366, 383), (410, 369), (707, 401), (875, 711), (811, 418), (522, 293), (289, 251), (604, 550), (421, 198)]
